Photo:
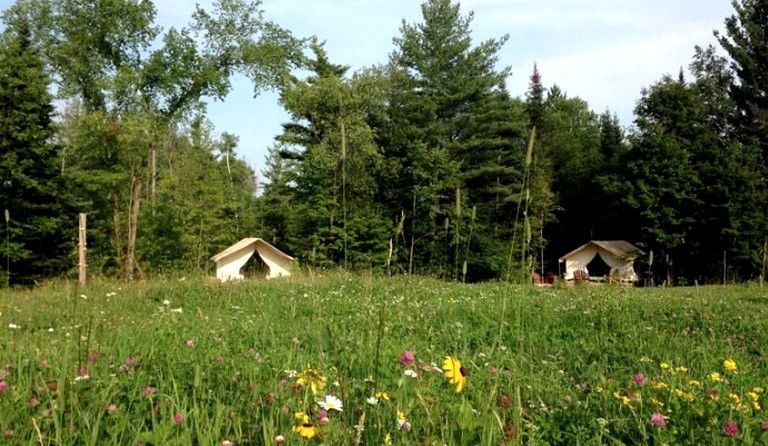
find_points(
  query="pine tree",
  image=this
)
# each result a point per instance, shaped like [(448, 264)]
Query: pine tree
[(442, 84), (32, 191)]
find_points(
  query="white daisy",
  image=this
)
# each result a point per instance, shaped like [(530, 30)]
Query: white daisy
[(330, 402)]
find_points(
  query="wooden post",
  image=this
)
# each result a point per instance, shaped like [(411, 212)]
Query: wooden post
[(82, 249)]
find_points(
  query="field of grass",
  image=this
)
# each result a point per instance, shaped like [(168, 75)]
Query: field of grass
[(188, 362)]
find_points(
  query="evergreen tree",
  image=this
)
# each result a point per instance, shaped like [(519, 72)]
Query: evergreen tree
[(745, 39), (441, 83), (664, 182), (32, 191), (336, 162)]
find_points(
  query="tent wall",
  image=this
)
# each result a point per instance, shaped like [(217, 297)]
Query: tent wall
[(277, 262), (228, 268), (622, 268), (579, 261)]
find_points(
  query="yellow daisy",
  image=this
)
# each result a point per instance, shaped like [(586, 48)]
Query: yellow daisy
[(455, 372)]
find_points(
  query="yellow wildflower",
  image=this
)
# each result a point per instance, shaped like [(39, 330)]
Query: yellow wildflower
[(730, 365), (657, 402), (455, 372), (735, 399), (715, 377), (387, 439), (306, 430), (313, 378), (382, 396), (661, 385), (758, 390), (694, 383), (681, 369), (664, 366)]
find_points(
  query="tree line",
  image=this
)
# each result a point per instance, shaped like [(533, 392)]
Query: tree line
[(423, 164)]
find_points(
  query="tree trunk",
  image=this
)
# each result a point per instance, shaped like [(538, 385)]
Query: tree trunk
[(133, 226), (413, 235), (117, 224), (670, 273), (153, 175)]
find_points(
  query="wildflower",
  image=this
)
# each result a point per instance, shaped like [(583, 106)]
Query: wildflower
[(8, 433), (93, 357), (731, 428), (313, 378), (664, 366), (382, 396), (411, 373), (166, 302), (407, 358), (715, 377), (148, 391), (388, 439), (758, 390), (402, 422), (306, 429), (177, 310), (640, 379), (455, 372), (733, 398), (730, 366), (372, 400), (658, 420), (713, 394), (32, 401), (694, 383), (279, 439), (178, 418), (661, 385), (325, 421), (82, 373), (291, 373), (623, 398), (681, 369), (330, 402), (3, 386), (190, 343), (684, 395), (112, 409)]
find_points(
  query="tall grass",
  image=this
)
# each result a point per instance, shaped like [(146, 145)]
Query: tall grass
[(190, 362)]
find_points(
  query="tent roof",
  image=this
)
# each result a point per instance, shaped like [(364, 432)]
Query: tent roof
[(619, 248), (246, 242)]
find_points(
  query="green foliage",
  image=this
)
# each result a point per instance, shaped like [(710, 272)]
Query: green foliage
[(38, 238)]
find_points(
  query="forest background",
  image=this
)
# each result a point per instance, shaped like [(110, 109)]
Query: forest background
[(422, 164)]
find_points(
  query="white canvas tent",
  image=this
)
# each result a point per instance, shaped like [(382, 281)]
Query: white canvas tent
[(231, 260), (619, 255)]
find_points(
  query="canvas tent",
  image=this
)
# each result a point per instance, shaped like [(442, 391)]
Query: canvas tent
[(618, 255), (231, 260)]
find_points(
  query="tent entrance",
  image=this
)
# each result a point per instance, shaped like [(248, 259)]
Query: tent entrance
[(254, 267), (597, 267)]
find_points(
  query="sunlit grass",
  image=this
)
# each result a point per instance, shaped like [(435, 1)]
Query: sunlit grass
[(191, 362)]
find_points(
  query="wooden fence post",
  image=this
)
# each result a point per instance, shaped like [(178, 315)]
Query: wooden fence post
[(82, 250)]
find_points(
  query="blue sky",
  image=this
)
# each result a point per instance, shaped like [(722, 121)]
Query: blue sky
[(604, 51)]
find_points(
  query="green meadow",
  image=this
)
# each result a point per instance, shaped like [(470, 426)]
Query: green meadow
[(191, 362)]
